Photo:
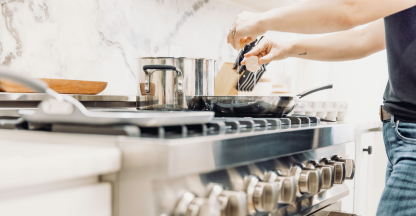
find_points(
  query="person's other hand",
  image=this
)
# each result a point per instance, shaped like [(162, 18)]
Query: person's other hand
[(268, 50), (247, 26)]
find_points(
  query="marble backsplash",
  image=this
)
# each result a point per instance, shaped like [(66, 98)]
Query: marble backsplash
[(101, 39)]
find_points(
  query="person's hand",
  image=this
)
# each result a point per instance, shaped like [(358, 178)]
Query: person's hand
[(268, 50), (245, 27)]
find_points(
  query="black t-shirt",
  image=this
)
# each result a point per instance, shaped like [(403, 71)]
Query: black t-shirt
[(400, 93)]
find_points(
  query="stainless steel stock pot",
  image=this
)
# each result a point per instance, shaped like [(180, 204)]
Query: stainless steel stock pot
[(166, 82)]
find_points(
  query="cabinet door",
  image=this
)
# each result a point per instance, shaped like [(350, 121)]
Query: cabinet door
[(370, 170), (90, 200), (376, 182)]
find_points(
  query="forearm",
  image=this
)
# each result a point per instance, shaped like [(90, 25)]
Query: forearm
[(323, 16), (343, 46), (336, 47)]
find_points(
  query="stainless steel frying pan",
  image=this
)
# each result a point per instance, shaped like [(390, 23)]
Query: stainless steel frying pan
[(249, 106)]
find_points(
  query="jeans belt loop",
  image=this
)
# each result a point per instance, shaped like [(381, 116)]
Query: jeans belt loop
[(392, 121)]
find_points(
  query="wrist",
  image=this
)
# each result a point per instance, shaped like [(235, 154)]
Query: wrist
[(294, 49), (291, 48), (262, 23)]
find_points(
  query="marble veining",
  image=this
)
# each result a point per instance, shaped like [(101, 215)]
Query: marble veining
[(182, 20), (102, 39), (8, 17), (42, 11), (118, 45)]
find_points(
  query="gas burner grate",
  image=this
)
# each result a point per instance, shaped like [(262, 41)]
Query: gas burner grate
[(218, 126)]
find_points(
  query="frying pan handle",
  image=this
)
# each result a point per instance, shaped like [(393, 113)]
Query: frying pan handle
[(310, 91), (34, 84)]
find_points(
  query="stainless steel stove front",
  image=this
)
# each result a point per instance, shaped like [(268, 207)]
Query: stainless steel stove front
[(230, 174)]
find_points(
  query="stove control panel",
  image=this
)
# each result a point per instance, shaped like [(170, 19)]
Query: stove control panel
[(264, 194), (289, 185)]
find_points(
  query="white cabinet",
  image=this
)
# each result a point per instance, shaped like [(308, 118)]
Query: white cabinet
[(89, 200), (371, 170)]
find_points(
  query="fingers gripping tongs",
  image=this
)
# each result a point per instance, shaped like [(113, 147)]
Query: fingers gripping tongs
[(248, 79)]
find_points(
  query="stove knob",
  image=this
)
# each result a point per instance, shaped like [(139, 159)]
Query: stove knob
[(232, 203), (295, 171), (293, 208), (327, 173), (265, 196), (181, 206), (307, 202), (261, 196), (287, 186), (279, 212), (310, 181), (190, 205), (339, 169), (203, 207), (349, 166)]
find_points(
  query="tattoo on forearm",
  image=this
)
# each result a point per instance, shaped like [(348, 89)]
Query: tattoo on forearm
[(302, 53)]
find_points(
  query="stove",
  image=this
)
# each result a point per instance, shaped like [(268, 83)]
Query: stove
[(224, 166), (260, 171)]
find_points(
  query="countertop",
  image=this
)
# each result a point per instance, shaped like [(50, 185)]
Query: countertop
[(25, 163), (369, 125)]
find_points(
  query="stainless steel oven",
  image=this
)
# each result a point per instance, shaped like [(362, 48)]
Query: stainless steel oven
[(228, 166), (270, 169), (191, 164)]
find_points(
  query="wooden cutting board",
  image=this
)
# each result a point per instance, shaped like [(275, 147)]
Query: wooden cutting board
[(62, 86)]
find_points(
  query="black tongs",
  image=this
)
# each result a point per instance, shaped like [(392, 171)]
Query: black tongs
[(248, 79)]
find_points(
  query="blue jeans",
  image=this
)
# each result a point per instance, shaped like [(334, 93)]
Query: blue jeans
[(399, 195)]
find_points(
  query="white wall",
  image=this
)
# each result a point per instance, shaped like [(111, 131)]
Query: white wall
[(100, 40)]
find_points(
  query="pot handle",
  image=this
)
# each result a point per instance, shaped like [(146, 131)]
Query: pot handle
[(310, 91), (161, 67)]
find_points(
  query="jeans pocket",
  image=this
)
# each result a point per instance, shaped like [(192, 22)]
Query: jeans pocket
[(406, 131)]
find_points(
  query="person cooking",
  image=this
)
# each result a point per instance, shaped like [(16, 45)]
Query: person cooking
[(393, 26)]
